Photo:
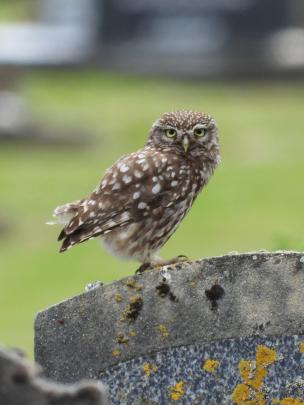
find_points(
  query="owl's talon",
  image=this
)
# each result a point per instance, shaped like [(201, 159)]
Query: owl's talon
[(144, 267), (183, 258)]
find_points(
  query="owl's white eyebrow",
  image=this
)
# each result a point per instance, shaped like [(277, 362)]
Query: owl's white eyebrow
[(204, 126)]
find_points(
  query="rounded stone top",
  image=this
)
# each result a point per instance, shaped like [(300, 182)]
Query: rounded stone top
[(216, 298)]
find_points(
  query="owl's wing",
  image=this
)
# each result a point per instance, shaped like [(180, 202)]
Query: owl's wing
[(138, 185)]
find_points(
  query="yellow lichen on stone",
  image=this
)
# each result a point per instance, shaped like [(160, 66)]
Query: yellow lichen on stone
[(118, 297), (253, 375), (163, 330), (121, 338), (246, 368), (240, 394), (210, 365), (177, 391), (116, 353), (132, 333), (291, 401), (265, 356), (131, 283), (149, 369), (301, 346), (257, 381), (243, 395)]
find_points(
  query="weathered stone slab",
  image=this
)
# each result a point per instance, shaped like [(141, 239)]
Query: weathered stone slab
[(210, 306), (21, 384)]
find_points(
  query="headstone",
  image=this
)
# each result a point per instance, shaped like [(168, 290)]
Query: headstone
[(21, 384), (222, 330)]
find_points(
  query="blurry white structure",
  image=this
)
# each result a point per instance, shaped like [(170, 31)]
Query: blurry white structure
[(286, 48), (65, 33)]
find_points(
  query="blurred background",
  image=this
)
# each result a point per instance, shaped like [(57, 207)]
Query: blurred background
[(81, 81)]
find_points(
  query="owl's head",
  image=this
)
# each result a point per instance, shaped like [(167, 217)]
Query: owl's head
[(186, 132)]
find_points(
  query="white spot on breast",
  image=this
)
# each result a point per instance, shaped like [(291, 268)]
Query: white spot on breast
[(156, 189), (124, 168), (127, 179), (92, 202), (174, 183), (154, 178), (136, 195), (138, 174), (145, 167), (92, 214), (164, 160), (142, 205), (116, 186)]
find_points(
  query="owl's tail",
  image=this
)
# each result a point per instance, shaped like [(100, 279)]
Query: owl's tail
[(64, 213)]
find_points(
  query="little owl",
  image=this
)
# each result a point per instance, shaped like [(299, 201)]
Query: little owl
[(144, 196)]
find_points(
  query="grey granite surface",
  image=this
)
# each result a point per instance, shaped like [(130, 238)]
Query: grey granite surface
[(209, 373), (21, 384)]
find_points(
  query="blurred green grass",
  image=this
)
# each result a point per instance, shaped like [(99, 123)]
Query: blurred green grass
[(16, 10), (254, 201)]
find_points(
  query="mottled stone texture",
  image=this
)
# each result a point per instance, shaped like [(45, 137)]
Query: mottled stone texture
[(21, 384), (209, 373)]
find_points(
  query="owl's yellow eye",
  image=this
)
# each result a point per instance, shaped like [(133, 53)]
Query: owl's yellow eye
[(199, 132), (171, 133)]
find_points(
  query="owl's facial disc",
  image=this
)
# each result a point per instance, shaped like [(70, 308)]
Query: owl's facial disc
[(186, 132)]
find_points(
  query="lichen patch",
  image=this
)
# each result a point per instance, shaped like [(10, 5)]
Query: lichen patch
[(177, 391), (116, 353), (253, 373), (210, 365), (133, 309), (149, 369), (163, 330)]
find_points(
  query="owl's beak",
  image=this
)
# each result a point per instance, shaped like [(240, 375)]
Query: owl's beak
[(185, 143)]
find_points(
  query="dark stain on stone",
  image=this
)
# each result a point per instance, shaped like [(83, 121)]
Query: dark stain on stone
[(88, 394), (299, 265), (215, 293), (164, 290), (133, 309), (20, 375), (260, 328), (60, 321)]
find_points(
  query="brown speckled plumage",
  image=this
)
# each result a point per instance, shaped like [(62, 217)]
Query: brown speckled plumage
[(144, 196)]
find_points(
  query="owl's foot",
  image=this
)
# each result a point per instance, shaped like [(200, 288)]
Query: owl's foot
[(141, 269), (159, 263)]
